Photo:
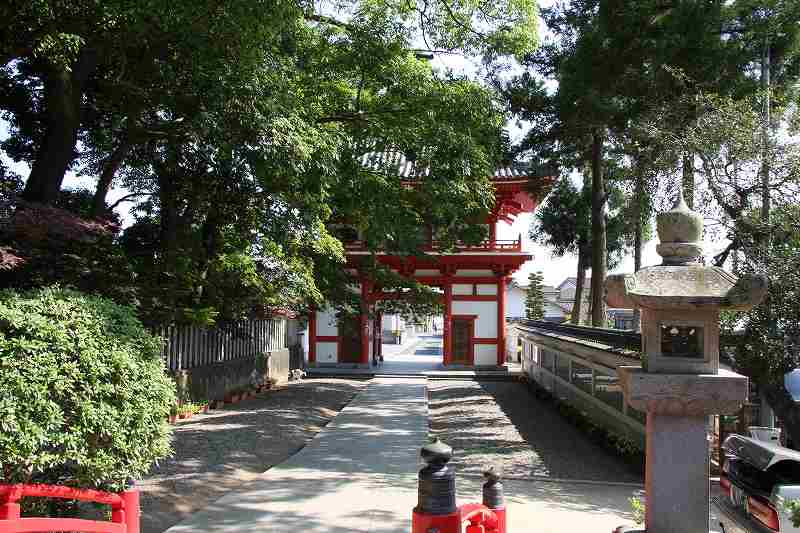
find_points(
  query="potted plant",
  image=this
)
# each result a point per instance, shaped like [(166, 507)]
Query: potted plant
[(173, 414), (186, 410)]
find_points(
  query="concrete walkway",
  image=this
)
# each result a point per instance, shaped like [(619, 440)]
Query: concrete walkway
[(360, 475)]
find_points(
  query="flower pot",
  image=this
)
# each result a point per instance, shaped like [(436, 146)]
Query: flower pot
[(172, 419), (184, 416)]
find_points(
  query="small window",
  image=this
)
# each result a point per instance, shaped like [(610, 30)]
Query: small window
[(682, 341)]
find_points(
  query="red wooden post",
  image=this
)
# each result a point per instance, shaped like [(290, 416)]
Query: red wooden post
[(501, 319), (447, 340), (365, 321), (130, 500), (9, 502)]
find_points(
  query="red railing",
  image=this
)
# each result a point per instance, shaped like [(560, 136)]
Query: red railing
[(124, 510), (498, 245)]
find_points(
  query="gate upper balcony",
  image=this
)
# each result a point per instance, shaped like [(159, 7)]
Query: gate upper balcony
[(431, 246), (518, 188)]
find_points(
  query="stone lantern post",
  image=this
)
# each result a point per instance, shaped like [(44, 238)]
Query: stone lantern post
[(680, 383)]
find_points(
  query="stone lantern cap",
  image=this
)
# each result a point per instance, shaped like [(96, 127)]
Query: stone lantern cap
[(682, 281)]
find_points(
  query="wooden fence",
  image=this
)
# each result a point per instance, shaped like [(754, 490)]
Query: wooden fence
[(192, 346)]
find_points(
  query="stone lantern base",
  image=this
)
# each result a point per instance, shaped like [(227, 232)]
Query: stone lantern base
[(677, 470)]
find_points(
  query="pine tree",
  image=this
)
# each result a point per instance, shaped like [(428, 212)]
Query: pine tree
[(534, 300)]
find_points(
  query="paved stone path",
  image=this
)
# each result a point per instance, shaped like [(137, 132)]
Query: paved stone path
[(421, 355), (217, 452), (359, 475)]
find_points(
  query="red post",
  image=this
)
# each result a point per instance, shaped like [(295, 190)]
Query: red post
[(446, 326), (365, 321), (501, 319), (9, 502), (130, 499), (312, 336)]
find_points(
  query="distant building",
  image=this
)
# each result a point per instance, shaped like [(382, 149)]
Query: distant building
[(620, 318), (515, 303)]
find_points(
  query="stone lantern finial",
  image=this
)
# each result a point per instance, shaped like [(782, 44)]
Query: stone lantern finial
[(680, 231)]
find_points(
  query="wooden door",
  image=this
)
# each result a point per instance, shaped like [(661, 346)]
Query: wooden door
[(350, 335), (462, 341)]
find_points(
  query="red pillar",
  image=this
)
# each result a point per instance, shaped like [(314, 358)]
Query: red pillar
[(501, 319), (493, 232), (132, 511), (365, 321), (312, 336), (446, 326)]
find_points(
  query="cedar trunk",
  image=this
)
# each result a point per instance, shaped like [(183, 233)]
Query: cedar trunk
[(110, 168), (785, 408), (638, 238), (63, 90), (578, 303), (598, 233)]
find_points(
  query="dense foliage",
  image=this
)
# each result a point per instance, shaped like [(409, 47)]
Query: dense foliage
[(634, 98), (243, 131), (83, 395)]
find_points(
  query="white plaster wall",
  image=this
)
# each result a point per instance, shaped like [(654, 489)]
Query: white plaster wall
[(486, 289), (474, 273), (485, 354), (462, 289), (486, 324), (326, 323), (515, 302), (326, 352)]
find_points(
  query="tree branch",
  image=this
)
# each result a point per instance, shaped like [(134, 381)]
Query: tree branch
[(128, 198)]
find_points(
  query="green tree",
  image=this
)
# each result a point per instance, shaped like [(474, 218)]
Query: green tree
[(243, 138), (83, 393), (563, 223), (534, 297)]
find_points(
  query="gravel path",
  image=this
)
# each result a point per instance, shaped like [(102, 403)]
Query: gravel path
[(220, 451), (500, 423)]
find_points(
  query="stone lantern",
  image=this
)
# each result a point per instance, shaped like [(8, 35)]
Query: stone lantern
[(680, 383)]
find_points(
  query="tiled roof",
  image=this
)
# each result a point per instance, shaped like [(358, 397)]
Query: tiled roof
[(397, 163)]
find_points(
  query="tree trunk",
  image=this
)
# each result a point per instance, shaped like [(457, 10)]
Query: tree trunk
[(765, 156), (63, 90), (110, 168), (688, 179), (785, 408), (168, 215), (578, 303), (599, 264), (638, 237)]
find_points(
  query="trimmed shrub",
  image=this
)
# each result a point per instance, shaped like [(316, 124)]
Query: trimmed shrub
[(84, 397)]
